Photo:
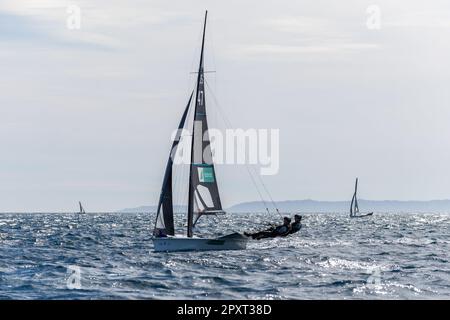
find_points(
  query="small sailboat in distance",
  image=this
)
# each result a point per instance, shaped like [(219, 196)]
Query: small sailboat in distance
[(203, 192), (81, 209), (354, 208)]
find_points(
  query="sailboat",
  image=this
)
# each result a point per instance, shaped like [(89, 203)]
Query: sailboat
[(203, 192), (354, 208), (81, 208)]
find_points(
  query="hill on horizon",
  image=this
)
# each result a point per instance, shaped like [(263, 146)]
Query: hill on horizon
[(308, 205)]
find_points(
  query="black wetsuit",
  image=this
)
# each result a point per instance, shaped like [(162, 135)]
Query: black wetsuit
[(295, 227), (159, 233), (271, 233)]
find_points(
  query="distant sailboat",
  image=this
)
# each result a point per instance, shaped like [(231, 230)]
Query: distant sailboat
[(354, 208), (81, 209), (203, 192)]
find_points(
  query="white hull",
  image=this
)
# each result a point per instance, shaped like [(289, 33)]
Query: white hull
[(230, 242), (362, 215)]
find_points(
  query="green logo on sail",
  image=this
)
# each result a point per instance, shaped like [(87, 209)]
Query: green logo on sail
[(205, 174)]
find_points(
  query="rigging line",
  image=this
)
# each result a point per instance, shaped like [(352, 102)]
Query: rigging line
[(175, 176), (184, 185), (180, 188), (211, 41), (229, 123), (268, 193), (185, 167), (195, 55), (183, 192), (225, 119), (179, 172), (247, 167), (257, 189), (213, 52), (177, 185)]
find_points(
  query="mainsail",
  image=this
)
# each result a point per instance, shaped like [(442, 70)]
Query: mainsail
[(203, 191), (81, 208), (354, 209), (164, 215)]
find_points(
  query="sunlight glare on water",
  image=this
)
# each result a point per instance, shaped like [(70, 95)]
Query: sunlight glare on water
[(387, 256)]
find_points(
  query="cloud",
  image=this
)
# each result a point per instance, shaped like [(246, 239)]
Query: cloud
[(87, 112), (307, 49), (420, 20), (31, 31), (18, 28), (301, 35), (301, 24), (103, 26), (45, 22)]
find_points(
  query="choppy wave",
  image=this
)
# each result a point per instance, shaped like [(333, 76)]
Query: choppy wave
[(387, 256)]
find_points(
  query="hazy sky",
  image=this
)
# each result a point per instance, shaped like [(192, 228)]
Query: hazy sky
[(87, 114)]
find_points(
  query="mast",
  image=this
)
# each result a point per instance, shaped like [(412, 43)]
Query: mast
[(354, 204), (191, 191), (356, 199), (351, 205)]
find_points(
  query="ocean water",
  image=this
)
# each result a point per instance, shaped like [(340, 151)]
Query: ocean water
[(110, 256)]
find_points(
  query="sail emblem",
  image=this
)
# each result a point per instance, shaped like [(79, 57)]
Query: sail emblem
[(205, 174)]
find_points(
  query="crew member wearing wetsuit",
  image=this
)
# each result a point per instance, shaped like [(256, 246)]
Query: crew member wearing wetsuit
[(279, 231), (296, 225)]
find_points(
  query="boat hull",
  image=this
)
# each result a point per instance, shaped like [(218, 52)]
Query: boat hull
[(229, 242), (362, 215)]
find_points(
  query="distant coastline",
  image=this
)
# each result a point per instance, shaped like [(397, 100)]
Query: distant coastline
[(308, 205)]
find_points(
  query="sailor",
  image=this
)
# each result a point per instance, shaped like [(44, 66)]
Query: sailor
[(296, 225), (159, 233), (279, 231)]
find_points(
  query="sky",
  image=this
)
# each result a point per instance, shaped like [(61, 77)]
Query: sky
[(87, 114)]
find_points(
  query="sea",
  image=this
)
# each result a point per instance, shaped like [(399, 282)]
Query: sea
[(110, 256)]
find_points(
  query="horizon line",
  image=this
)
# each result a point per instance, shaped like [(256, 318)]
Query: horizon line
[(236, 204)]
